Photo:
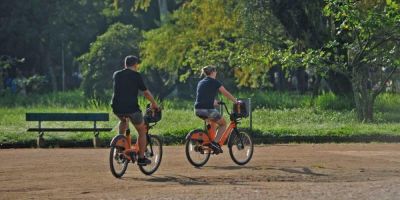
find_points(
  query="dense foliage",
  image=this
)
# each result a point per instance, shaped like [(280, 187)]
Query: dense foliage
[(105, 56), (210, 33)]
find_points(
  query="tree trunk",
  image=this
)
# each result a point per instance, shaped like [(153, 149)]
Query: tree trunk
[(362, 94), (51, 72), (316, 83), (364, 106), (47, 64), (301, 80), (162, 4)]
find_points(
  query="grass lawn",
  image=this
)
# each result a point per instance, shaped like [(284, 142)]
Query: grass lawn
[(296, 122)]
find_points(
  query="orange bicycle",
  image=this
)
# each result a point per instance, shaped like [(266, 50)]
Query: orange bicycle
[(122, 152), (240, 144)]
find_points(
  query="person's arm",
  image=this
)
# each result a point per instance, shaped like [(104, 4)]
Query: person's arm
[(147, 93), (227, 94), (150, 97)]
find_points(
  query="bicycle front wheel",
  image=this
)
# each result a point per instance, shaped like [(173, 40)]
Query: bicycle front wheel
[(196, 153), (154, 153), (118, 161), (240, 147)]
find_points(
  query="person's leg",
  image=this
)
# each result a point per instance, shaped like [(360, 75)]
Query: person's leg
[(215, 117), (221, 128), (141, 129), (137, 121), (123, 124)]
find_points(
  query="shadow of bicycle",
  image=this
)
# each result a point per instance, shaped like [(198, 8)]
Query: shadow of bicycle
[(261, 174), (180, 179), (304, 170)]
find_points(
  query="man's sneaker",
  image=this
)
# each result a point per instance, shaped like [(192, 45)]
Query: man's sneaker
[(215, 147), (143, 161)]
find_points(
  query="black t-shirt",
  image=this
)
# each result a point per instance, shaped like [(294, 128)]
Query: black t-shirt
[(127, 84), (207, 90)]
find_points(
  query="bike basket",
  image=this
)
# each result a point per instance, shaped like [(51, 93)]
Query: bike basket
[(240, 109), (151, 115)]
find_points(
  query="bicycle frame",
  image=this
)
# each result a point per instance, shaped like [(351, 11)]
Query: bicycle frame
[(211, 127), (125, 141), (198, 148)]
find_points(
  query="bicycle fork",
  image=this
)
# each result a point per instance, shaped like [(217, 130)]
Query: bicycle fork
[(240, 145)]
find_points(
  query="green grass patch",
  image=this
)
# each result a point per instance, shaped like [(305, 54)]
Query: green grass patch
[(312, 122), (270, 120), (176, 123)]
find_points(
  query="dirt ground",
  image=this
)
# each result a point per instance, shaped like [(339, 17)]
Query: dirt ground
[(293, 171)]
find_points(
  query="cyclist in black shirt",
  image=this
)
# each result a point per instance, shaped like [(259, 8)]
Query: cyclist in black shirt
[(207, 90), (127, 83)]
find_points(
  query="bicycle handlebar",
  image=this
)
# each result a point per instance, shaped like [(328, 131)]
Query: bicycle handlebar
[(224, 104), (227, 110)]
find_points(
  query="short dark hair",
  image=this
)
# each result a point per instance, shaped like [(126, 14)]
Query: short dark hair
[(131, 60)]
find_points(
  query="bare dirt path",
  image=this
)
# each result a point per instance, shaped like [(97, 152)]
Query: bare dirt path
[(293, 171)]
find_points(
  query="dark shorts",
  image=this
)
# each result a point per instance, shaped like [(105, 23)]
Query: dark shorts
[(212, 114), (136, 118)]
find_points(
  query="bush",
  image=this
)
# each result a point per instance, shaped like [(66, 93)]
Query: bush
[(330, 101), (276, 100), (388, 102), (36, 84), (69, 99)]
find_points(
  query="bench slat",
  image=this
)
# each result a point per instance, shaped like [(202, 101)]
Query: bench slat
[(68, 129), (67, 117)]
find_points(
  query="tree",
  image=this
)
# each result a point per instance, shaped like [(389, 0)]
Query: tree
[(208, 32), (199, 33), (148, 15), (364, 47), (105, 56), (369, 32), (39, 30), (262, 33)]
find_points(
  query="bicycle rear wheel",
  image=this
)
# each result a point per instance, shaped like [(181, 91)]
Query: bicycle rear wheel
[(154, 153), (196, 153), (118, 162), (240, 147)]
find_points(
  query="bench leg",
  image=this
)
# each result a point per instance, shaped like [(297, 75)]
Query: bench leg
[(40, 140), (96, 140)]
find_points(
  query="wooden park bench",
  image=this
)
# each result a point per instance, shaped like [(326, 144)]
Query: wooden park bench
[(41, 117)]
